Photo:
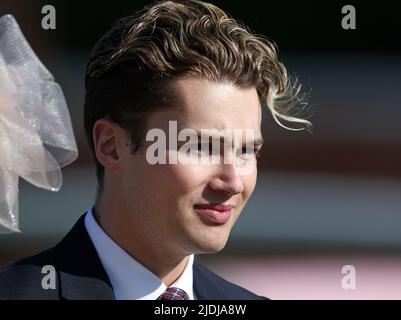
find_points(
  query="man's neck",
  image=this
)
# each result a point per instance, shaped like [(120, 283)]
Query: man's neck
[(174, 274), (167, 268)]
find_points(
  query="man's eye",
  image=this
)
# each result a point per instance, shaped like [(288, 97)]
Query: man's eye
[(204, 147), (207, 148), (248, 152)]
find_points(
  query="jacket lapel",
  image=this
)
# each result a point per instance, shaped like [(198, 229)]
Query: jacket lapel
[(82, 276), (207, 285)]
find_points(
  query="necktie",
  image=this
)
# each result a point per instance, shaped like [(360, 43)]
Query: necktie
[(173, 293)]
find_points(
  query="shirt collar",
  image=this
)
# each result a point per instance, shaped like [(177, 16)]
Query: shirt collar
[(129, 278)]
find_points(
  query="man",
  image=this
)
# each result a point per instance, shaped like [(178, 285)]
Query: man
[(182, 65)]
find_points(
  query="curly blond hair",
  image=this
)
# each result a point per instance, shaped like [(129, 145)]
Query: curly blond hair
[(170, 39)]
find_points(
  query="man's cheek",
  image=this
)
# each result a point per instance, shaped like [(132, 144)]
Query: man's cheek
[(187, 176)]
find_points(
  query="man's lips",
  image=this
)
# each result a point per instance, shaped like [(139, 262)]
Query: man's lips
[(217, 207), (218, 213)]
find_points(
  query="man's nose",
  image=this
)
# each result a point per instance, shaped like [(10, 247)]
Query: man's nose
[(227, 180)]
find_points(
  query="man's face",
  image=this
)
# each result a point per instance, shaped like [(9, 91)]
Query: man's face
[(163, 199)]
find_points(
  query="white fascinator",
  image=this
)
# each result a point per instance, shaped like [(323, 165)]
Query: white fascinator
[(36, 136)]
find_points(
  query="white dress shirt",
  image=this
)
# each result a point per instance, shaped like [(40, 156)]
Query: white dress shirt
[(129, 278)]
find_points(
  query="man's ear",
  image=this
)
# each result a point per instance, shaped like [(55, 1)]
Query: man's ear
[(106, 137)]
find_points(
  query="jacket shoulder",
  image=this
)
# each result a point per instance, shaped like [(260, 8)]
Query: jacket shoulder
[(24, 279), (219, 288)]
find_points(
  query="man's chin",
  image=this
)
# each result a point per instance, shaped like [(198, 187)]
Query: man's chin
[(210, 247)]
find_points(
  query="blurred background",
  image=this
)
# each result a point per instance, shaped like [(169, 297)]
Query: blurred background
[(322, 201)]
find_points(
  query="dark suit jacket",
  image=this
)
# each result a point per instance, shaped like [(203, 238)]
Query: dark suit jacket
[(80, 275)]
